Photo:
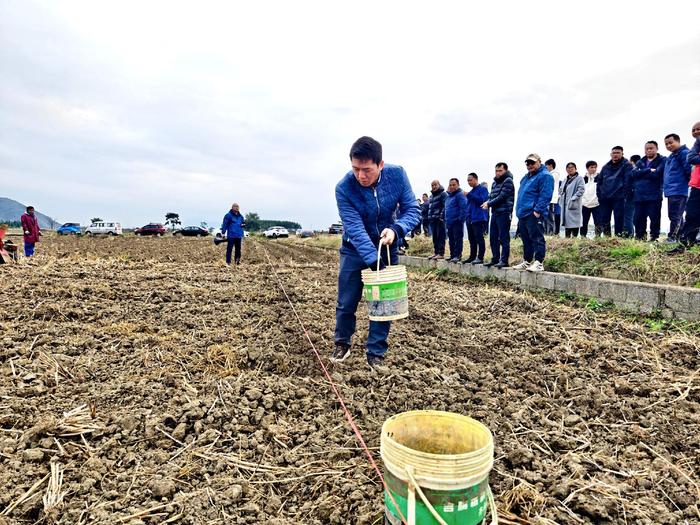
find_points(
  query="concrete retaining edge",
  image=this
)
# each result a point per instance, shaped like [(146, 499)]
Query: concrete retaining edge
[(672, 301)]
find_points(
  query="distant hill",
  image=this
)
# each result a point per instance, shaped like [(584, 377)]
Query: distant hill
[(11, 210)]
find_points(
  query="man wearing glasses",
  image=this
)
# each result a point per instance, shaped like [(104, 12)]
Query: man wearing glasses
[(534, 197)]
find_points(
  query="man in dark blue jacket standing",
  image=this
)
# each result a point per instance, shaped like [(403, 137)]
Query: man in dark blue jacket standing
[(614, 183), (424, 209), (455, 215), (676, 178), (232, 228), (534, 196), (436, 216), (500, 202), (648, 183), (477, 220), (367, 199)]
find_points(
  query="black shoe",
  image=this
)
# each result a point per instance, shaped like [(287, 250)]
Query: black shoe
[(468, 261), (677, 250), (477, 261), (490, 264), (340, 353), (501, 265), (376, 363)]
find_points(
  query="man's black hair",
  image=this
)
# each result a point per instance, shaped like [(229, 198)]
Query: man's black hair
[(455, 179), (502, 165), (653, 142), (550, 162), (571, 164), (618, 147), (591, 163), (472, 174), (30, 208), (635, 158), (673, 136), (366, 148), (425, 195)]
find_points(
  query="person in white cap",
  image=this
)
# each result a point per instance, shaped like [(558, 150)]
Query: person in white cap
[(534, 197)]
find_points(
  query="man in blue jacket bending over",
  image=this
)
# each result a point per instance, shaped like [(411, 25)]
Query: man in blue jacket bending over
[(367, 197)]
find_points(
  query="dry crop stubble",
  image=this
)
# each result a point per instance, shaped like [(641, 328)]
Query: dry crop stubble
[(207, 406)]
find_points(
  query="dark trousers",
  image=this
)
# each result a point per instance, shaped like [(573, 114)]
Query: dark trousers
[(349, 295), (437, 229), (644, 210), (477, 244), (426, 228), (571, 232), (499, 238), (230, 244), (629, 218), (615, 208), (28, 249), (550, 222), (691, 226), (587, 214), (532, 233), (676, 207), (455, 233)]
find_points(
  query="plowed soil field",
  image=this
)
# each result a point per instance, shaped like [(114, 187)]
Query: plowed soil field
[(144, 381)]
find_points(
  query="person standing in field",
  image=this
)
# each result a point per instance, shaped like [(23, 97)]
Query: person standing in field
[(589, 201), (424, 209), (232, 228), (477, 220), (551, 220), (691, 226), (500, 203), (367, 199), (455, 215), (31, 231), (534, 199), (436, 214), (570, 193), (613, 181), (648, 182), (676, 178)]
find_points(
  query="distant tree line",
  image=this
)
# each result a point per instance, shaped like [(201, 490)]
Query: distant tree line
[(254, 223), (12, 224)]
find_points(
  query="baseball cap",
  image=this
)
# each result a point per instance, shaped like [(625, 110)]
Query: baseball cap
[(533, 156)]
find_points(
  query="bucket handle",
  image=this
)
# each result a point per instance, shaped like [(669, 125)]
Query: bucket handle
[(414, 487), (379, 254)]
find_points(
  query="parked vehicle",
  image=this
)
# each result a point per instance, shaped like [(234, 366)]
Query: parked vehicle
[(306, 233), (152, 228), (192, 231), (104, 228), (69, 228), (336, 229), (276, 231)]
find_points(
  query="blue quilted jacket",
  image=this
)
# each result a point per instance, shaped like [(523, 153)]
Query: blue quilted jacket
[(365, 212)]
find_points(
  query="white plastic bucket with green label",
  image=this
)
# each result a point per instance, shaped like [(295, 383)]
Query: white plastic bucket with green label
[(437, 468), (386, 292)]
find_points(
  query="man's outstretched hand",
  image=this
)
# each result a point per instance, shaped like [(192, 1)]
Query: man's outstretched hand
[(388, 236)]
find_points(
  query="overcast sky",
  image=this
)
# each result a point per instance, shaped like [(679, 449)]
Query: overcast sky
[(128, 110)]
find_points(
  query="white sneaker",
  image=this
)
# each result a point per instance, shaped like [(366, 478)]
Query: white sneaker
[(522, 266), (536, 266)]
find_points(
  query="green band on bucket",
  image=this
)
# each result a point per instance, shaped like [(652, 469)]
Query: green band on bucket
[(385, 292)]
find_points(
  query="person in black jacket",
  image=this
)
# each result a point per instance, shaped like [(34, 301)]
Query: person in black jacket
[(648, 183), (436, 215), (501, 200), (614, 183)]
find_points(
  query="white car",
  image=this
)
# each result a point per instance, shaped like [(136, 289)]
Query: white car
[(104, 228), (276, 231)]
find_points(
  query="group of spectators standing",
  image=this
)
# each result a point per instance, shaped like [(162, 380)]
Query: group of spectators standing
[(628, 193)]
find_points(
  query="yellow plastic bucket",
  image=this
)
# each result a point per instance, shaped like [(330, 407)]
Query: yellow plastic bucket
[(437, 467), (386, 291)]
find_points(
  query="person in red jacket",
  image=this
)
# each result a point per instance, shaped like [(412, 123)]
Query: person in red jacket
[(30, 227)]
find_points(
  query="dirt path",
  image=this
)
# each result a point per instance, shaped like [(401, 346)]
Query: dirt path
[(203, 403)]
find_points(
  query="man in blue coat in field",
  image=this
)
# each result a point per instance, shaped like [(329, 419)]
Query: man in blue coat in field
[(648, 183), (455, 215), (534, 196), (676, 178), (367, 199), (232, 229)]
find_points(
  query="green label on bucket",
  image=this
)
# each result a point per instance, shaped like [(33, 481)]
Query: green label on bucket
[(456, 507), (385, 292)]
